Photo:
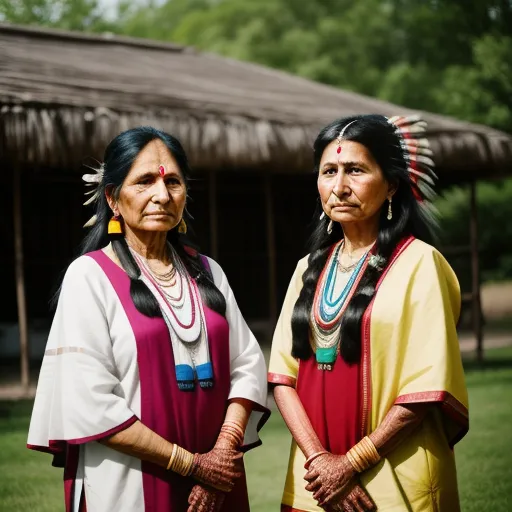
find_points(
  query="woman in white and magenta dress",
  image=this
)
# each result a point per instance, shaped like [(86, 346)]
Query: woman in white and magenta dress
[(152, 385)]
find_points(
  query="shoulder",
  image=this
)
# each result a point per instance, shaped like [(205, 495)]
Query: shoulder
[(302, 264), (426, 263), (218, 275), (426, 255), (82, 270)]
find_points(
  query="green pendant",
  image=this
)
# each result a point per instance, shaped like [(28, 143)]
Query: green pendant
[(325, 357)]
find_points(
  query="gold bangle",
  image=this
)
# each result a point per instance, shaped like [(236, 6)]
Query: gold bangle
[(235, 425), (374, 454), (355, 459), (235, 436), (172, 457), (363, 455), (181, 461), (235, 422), (311, 458), (230, 428), (189, 463), (363, 461), (368, 451)]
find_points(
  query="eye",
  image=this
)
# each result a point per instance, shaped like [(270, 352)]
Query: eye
[(173, 180), (330, 170), (144, 181), (354, 170)]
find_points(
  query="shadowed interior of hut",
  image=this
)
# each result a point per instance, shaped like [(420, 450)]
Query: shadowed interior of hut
[(53, 219)]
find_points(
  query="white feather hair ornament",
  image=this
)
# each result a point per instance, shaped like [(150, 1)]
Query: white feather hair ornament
[(93, 181)]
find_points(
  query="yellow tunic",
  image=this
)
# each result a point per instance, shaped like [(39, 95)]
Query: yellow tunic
[(410, 354)]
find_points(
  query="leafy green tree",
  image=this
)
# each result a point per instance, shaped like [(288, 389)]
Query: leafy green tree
[(81, 15)]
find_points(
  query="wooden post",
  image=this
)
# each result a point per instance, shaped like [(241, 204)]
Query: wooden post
[(475, 274), (20, 279), (214, 218), (271, 251)]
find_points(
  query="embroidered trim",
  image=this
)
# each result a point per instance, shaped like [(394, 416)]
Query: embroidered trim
[(366, 346), (285, 380)]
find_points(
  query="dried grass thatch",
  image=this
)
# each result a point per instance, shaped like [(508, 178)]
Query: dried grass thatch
[(63, 96)]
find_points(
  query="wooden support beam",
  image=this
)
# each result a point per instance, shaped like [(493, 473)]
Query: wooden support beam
[(271, 251), (20, 280), (475, 274), (214, 215)]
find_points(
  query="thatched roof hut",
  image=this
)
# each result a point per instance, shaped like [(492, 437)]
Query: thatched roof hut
[(65, 94), (246, 128)]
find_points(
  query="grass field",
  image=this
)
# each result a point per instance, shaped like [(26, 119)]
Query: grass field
[(484, 458)]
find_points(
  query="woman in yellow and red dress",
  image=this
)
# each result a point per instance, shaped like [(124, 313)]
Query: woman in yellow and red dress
[(365, 360)]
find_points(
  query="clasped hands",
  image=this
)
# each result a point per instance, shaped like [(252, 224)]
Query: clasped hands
[(217, 471), (335, 486)]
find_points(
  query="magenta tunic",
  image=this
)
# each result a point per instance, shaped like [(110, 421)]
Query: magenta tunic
[(192, 419)]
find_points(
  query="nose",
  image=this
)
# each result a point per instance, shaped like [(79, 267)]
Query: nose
[(161, 194), (341, 186)]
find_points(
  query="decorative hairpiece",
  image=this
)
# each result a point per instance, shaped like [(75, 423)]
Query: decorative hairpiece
[(339, 138), (417, 153), (93, 180)]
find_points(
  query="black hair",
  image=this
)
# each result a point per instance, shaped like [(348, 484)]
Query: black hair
[(119, 157), (409, 218)]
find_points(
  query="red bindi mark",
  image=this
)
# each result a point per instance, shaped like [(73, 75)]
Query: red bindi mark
[(161, 170), (338, 150)]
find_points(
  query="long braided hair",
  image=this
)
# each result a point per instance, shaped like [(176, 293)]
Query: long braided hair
[(410, 217), (119, 157)]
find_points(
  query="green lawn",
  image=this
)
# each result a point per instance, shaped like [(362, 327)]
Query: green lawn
[(484, 457)]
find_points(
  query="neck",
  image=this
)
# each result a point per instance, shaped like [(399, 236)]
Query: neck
[(358, 237), (150, 245)]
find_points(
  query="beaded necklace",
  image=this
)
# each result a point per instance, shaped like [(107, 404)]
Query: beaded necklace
[(328, 309)]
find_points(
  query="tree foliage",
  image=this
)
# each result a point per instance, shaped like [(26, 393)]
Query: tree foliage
[(447, 56)]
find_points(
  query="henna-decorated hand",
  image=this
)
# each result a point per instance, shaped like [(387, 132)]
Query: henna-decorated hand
[(204, 499), (329, 478), (221, 467), (357, 500)]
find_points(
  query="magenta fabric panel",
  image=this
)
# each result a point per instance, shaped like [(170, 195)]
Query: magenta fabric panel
[(192, 419)]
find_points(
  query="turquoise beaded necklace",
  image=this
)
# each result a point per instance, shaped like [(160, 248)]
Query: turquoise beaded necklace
[(328, 309)]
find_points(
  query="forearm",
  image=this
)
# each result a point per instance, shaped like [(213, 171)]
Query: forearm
[(141, 442), (238, 412), (295, 417), (398, 424)]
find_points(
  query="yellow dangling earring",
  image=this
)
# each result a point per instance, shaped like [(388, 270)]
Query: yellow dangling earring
[(182, 227), (114, 226)]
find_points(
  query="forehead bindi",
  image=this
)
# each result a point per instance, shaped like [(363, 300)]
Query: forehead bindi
[(350, 152), (155, 159)]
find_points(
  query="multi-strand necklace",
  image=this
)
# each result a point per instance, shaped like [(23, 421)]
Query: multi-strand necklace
[(182, 305), (331, 300), (180, 302)]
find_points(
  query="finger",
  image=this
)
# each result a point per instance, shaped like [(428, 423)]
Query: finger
[(192, 499), (331, 497), (366, 502), (311, 475), (314, 486), (355, 504), (319, 496)]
